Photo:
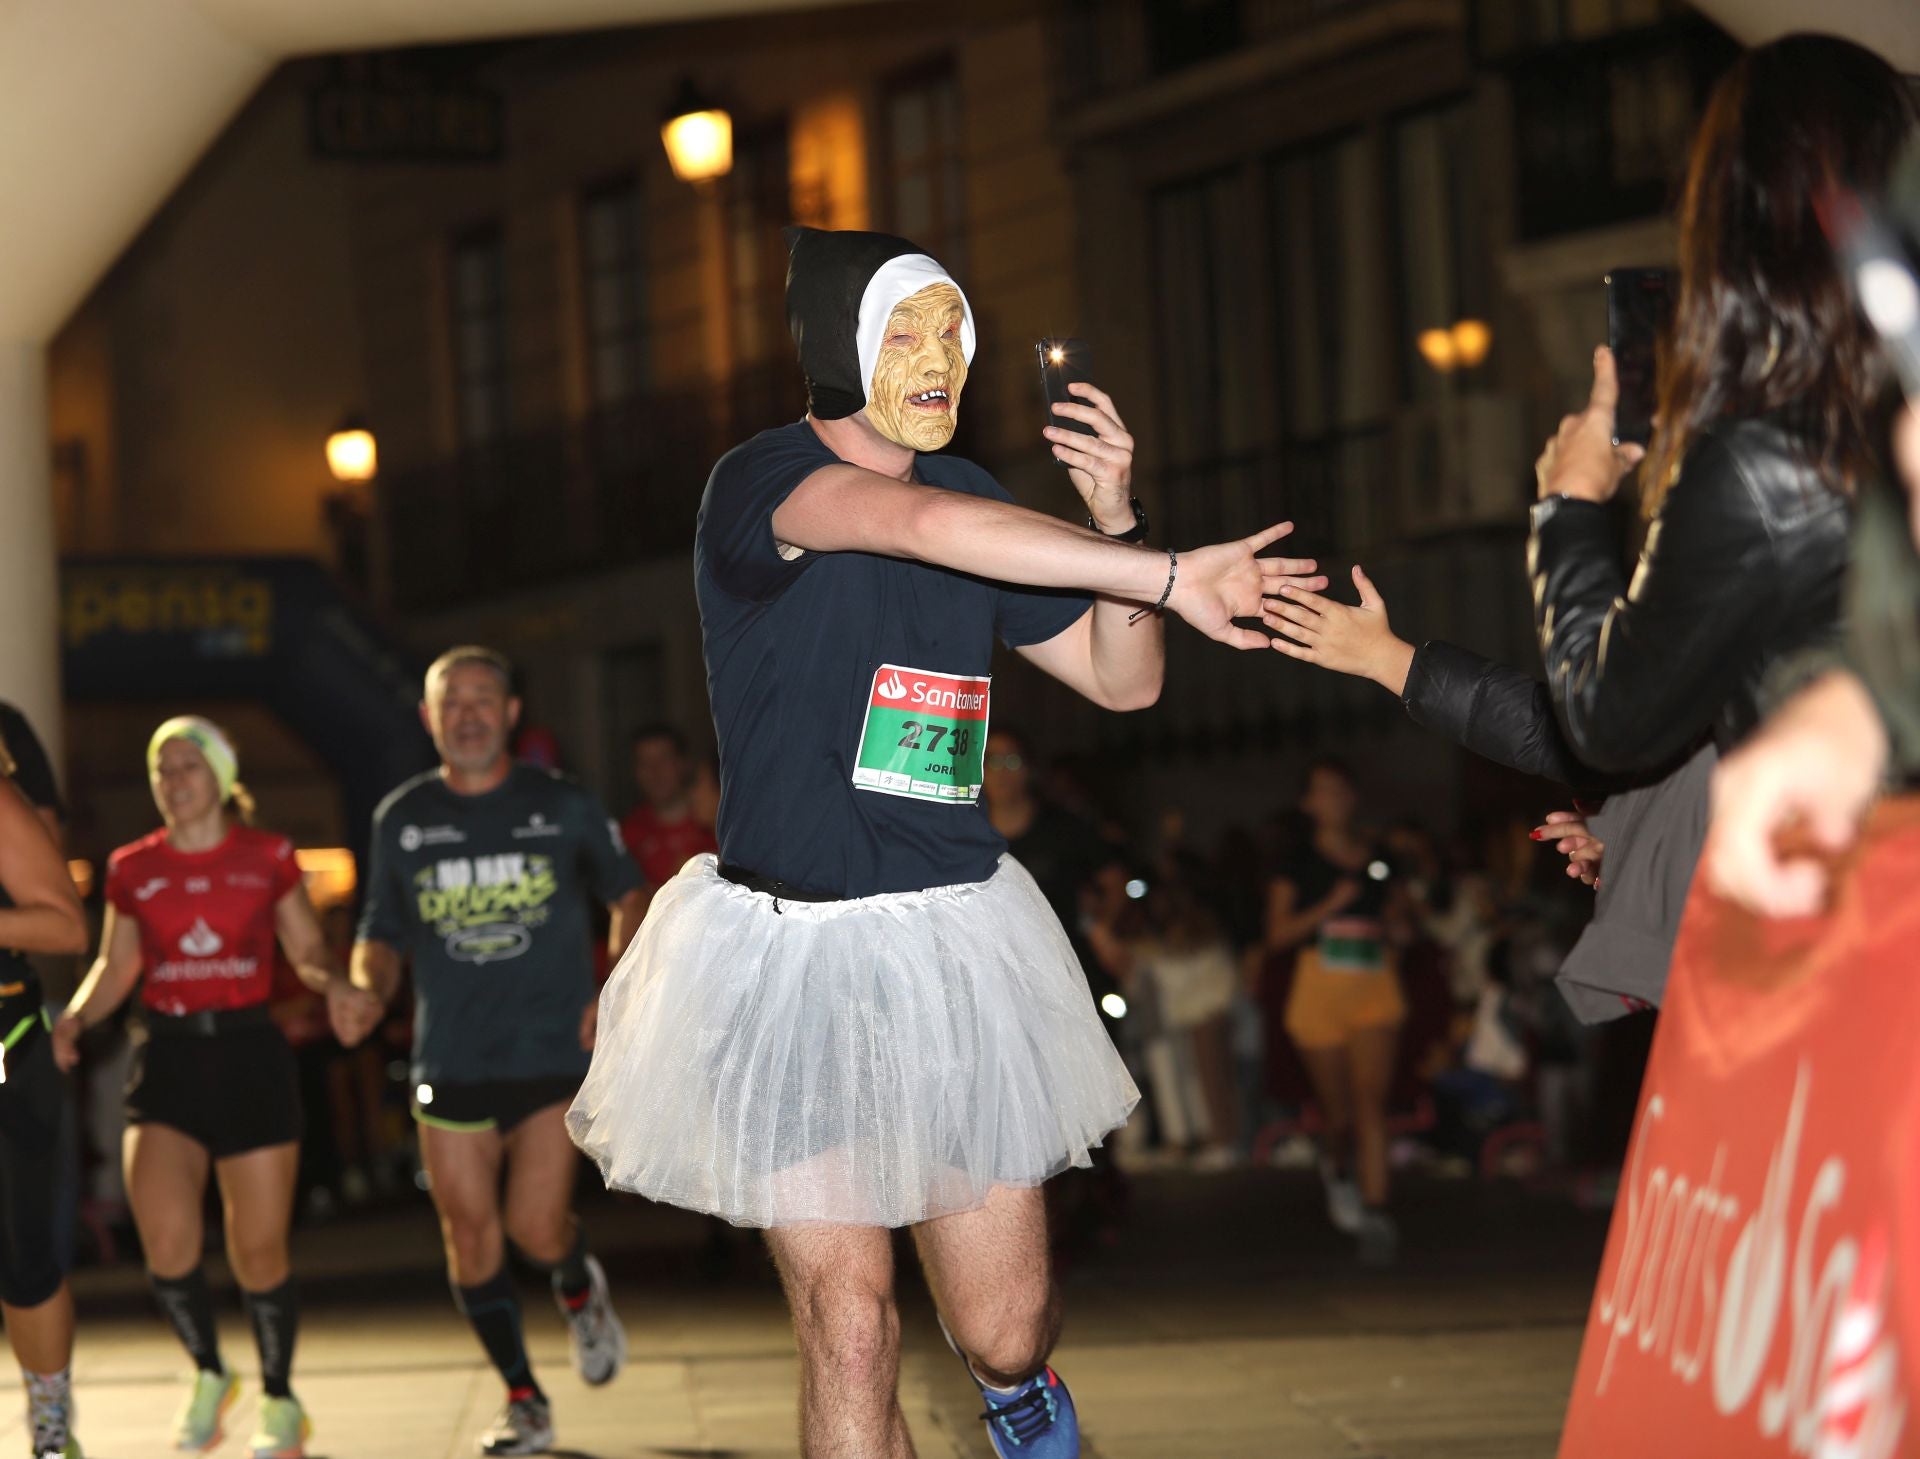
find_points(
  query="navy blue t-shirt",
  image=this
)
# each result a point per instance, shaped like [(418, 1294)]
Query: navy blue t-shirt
[(850, 692)]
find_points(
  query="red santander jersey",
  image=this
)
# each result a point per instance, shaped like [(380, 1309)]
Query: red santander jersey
[(207, 939), (663, 847)]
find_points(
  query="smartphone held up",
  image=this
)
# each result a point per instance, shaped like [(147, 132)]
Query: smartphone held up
[(1639, 309), (1063, 362)]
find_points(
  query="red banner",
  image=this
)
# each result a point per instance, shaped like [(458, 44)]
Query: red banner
[(1758, 1294)]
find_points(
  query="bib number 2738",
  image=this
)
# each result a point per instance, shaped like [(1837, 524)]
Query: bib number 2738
[(925, 734)]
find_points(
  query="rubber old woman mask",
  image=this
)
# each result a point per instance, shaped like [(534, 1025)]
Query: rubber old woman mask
[(914, 399)]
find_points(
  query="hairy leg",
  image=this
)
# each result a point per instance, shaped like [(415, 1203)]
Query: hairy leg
[(839, 1285)]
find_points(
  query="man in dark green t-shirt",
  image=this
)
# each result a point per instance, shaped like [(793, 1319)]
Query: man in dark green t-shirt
[(481, 873)]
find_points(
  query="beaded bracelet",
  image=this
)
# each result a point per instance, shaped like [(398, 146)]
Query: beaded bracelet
[(1173, 571)]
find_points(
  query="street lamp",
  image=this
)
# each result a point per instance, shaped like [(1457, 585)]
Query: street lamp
[(351, 453), (698, 134), (1437, 349), (1472, 338), (1463, 345)]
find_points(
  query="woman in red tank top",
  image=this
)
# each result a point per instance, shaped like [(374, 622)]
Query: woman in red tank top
[(193, 914)]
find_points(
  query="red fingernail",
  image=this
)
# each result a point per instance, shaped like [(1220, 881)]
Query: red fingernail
[(1536, 834)]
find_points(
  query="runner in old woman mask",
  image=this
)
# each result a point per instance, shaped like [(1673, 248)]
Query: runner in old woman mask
[(862, 1014)]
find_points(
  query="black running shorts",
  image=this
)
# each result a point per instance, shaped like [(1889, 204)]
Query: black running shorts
[(496, 1105), (233, 1091), (39, 1174)]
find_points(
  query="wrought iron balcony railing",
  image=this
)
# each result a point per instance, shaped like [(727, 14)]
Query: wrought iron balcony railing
[(621, 486)]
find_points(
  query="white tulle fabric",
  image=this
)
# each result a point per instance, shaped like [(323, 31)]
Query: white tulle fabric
[(875, 1062)]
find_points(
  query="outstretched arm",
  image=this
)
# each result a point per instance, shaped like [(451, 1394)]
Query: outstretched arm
[(843, 508), (1497, 712), (846, 508)]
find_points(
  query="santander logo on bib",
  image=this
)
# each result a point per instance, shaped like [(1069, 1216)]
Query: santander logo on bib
[(891, 687), (200, 940)]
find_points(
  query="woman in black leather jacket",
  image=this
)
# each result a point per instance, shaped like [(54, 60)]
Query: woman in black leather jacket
[(1768, 388)]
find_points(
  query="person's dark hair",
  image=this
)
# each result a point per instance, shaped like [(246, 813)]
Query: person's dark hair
[(1332, 765), (661, 730), (1181, 916), (1764, 319)]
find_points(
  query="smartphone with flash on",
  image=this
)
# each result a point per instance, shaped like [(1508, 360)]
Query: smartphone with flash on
[(1639, 309), (1063, 362)]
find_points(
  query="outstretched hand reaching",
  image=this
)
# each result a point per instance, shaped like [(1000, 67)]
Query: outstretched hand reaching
[(1352, 639), (1229, 580)]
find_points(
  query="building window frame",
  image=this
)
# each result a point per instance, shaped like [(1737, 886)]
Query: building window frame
[(615, 337), (759, 204), (939, 166), (1470, 294), (478, 334)]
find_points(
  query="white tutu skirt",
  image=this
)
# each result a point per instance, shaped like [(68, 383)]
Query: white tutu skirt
[(874, 1062)]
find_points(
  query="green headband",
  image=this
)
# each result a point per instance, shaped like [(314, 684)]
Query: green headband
[(205, 736)]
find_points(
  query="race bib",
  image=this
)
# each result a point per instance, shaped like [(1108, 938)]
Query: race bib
[(925, 735), (1353, 944)]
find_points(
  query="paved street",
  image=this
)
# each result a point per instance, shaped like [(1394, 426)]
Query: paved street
[(1226, 1322)]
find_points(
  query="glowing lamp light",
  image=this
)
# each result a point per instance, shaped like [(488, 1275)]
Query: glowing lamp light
[(1379, 870), (1472, 338), (698, 136), (1136, 889), (351, 453), (1437, 348), (1113, 1005), (423, 1095), (329, 871)]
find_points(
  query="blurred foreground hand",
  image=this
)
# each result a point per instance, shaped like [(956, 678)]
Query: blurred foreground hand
[(1815, 767)]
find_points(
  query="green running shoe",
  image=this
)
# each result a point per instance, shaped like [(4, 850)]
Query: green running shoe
[(284, 1429), (201, 1423)]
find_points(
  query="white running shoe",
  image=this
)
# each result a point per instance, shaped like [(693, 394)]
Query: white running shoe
[(594, 1332), (525, 1426), (1345, 1209)]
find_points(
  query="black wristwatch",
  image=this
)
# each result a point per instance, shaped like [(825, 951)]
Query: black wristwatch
[(1136, 533)]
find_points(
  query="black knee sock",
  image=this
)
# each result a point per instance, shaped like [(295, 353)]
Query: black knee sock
[(493, 1311), (188, 1304), (276, 1319), (570, 1277)]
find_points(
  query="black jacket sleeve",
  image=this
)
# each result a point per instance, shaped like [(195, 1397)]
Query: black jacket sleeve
[(1496, 711)]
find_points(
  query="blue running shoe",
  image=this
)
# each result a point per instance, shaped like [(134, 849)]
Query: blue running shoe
[(1035, 1421)]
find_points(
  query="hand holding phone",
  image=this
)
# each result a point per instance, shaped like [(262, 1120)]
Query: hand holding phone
[(1639, 309)]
